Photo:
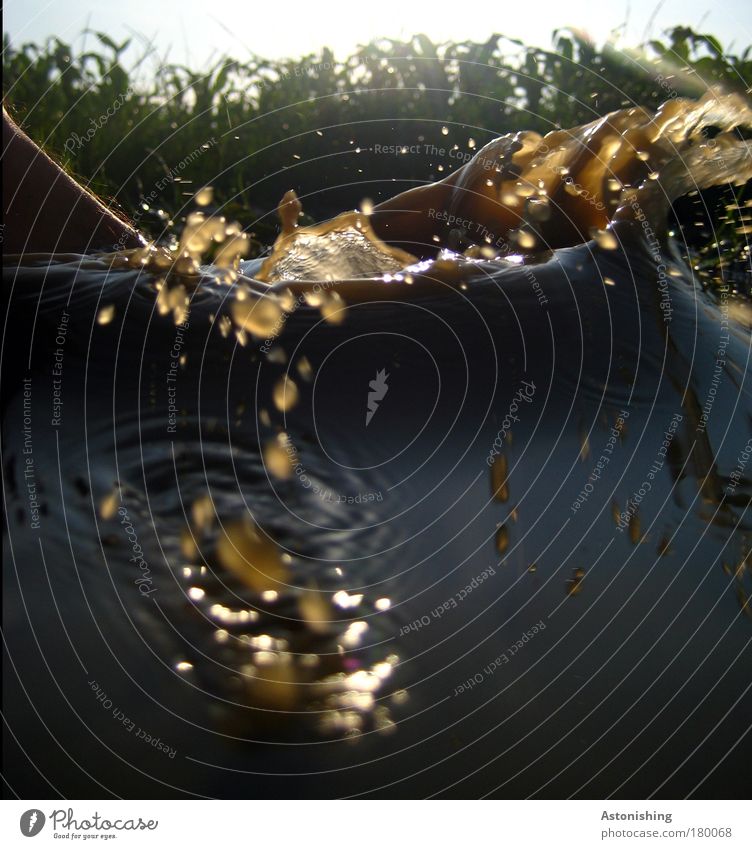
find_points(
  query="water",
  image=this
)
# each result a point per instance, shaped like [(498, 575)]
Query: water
[(368, 519)]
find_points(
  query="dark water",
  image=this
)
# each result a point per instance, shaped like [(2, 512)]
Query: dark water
[(476, 593)]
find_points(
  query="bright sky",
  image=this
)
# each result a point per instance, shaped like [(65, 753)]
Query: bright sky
[(194, 30)]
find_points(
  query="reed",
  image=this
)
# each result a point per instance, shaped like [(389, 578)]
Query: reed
[(148, 133)]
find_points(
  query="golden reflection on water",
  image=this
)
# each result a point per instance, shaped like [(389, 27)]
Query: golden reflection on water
[(310, 658)]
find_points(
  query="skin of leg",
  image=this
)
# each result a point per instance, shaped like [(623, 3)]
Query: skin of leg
[(45, 210)]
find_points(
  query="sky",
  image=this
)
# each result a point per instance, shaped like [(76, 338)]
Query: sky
[(194, 31)]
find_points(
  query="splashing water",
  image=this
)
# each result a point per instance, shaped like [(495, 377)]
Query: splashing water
[(565, 424)]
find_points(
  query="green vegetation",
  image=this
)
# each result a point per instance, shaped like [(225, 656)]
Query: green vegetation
[(256, 128)]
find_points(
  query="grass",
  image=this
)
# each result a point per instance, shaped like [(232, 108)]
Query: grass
[(256, 128)]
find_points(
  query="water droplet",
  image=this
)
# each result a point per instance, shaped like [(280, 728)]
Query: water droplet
[(277, 458), (605, 239), (304, 368), (285, 394), (260, 316), (106, 314), (109, 505), (499, 484), (333, 309), (251, 556), (502, 539), (205, 196), (525, 239), (202, 513)]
